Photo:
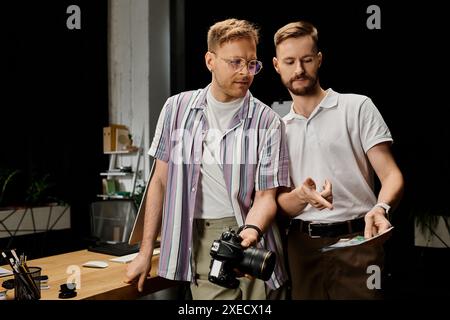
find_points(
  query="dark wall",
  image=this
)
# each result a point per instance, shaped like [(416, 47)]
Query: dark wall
[(54, 99), (396, 66)]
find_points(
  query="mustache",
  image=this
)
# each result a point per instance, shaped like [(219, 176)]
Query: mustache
[(244, 79), (301, 77)]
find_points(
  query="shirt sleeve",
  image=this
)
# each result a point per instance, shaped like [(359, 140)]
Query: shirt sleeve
[(161, 140), (273, 166), (373, 129)]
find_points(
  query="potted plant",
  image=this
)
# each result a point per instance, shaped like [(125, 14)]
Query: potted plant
[(6, 176), (27, 208)]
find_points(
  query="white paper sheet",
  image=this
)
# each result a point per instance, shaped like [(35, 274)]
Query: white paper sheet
[(355, 241)]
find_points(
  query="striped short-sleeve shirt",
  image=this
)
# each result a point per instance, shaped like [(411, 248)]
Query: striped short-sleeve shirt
[(254, 157)]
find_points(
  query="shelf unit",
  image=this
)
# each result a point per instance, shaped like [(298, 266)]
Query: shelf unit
[(114, 173), (117, 174)]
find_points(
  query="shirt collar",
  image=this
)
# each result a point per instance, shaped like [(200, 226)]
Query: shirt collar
[(328, 102), (244, 112)]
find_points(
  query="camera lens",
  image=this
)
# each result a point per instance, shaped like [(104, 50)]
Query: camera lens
[(258, 263)]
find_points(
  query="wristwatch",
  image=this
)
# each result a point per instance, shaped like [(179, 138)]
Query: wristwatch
[(251, 226), (385, 206)]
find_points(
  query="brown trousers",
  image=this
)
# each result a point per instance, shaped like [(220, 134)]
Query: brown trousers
[(337, 274)]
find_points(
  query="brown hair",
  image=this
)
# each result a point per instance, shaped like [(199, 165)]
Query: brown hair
[(231, 29), (296, 30)]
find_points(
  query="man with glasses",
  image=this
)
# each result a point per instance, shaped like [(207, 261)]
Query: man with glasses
[(340, 140), (220, 156)]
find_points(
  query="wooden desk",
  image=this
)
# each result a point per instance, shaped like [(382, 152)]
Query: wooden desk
[(96, 284)]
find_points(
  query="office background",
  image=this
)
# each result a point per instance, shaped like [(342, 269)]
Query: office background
[(61, 87)]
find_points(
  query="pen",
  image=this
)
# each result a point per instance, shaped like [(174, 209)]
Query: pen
[(6, 257), (13, 252)]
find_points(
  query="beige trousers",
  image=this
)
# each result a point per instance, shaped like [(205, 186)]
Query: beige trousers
[(204, 233)]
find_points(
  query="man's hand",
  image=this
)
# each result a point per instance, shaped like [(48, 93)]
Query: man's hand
[(249, 237), (327, 192), (376, 222), (307, 193), (139, 270)]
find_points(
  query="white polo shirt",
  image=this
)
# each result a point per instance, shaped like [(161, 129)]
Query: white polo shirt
[(332, 144)]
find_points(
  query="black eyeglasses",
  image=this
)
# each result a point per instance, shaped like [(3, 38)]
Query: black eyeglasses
[(237, 64)]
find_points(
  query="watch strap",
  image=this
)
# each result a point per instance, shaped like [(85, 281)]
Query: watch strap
[(251, 226)]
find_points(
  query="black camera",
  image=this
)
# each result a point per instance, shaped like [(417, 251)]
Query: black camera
[(228, 254)]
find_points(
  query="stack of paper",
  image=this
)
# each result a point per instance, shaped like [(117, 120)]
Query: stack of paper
[(356, 241), (130, 257), (44, 284), (4, 272)]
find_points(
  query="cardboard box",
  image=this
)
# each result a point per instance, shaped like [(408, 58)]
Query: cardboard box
[(110, 137), (122, 139), (107, 140)]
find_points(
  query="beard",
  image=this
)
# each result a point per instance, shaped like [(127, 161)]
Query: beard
[(308, 89), (230, 87)]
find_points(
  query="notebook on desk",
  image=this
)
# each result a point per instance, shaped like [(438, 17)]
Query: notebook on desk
[(129, 257), (118, 249), (115, 249)]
